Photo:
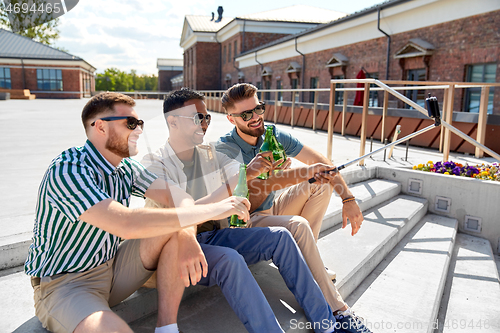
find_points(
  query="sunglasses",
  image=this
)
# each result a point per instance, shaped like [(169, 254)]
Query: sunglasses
[(197, 118), (247, 115), (132, 122)]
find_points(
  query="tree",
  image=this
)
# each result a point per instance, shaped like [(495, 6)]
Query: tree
[(114, 79), (18, 16)]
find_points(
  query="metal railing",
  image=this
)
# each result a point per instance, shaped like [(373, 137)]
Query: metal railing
[(213, 103), (447, 110)]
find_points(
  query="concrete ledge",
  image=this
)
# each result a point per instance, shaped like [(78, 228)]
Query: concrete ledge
[(353, 258), (4, 96), (474, 197), (410, 280), (13, 249), (472, 293)]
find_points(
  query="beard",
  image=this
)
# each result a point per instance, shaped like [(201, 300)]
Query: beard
[(255, 132), (117, 145)]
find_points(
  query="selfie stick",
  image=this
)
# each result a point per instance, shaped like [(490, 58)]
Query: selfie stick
[(432, 109)]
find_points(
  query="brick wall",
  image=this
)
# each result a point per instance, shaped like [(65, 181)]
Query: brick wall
[(72, 80), (164, 77), (459, 43)]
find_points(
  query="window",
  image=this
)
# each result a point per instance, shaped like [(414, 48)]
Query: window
[(479, 73), (279, 85), (5, 78), (224, 55), (229, 59), (314, 85), (373, 100), (49, 79), (295, 85), (235, 48), (268, 86), (417, 96), (339, 95)]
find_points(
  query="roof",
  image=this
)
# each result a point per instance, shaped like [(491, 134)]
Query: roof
[(383, 4), (200, 23), (169, 62), (16, 46), (296, 13)]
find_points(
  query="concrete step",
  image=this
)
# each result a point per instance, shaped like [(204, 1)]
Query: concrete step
[(403, 293), (140, 308), (353, 258), (471, 301), (369, 193), (14, 249)]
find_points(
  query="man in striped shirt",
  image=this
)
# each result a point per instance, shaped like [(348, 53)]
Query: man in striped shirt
[(79, 266)]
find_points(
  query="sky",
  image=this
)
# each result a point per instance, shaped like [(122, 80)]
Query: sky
[(132, 34)]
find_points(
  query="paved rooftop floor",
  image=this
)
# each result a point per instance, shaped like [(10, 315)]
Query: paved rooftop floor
[(36, 131)]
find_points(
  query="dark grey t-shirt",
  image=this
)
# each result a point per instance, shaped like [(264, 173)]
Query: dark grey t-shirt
[(196, 187)]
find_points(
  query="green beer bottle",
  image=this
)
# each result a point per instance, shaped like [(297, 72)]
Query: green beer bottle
[(278, 152), (241, 190), (267, 145)]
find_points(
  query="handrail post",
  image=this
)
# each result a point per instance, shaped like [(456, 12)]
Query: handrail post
[(344, 112), (448, 119), (330, 122), (481, 122), (443, 116), (315, 109), (293, 105), (384, 114), (362, 144), (276, 107)]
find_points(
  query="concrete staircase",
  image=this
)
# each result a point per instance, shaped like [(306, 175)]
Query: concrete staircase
[(393, 273)]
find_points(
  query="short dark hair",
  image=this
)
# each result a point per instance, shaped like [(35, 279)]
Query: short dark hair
[(177, 98), (236, 93), (102, 103)]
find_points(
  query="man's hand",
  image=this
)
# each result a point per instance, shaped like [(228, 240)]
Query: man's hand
[(191, 260), (351, 211), (317, 170), (231, 206), (260, 164)]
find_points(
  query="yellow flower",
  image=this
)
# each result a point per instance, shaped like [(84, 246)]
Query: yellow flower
[(420, 166), (430, 162), (447, 173), (484, 173), (414, 167)]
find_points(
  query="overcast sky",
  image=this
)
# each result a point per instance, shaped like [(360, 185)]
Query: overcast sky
[(132, 34)]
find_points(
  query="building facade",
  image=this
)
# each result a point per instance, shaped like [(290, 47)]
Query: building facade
[(212, 46), (167, 70), (44, 70), (427, 40)]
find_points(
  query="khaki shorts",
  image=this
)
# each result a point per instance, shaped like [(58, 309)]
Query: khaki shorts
[(62, 301)]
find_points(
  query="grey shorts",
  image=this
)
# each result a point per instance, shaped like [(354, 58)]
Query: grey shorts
[(62, 301)]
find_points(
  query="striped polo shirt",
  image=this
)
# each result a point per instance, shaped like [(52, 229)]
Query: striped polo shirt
[(77, 179)]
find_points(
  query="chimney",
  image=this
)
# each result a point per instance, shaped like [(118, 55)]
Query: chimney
[(212, 16), (220, 10)]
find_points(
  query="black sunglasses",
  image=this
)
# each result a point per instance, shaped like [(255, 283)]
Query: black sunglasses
[(197, 118), (247, 115), (132, 122)]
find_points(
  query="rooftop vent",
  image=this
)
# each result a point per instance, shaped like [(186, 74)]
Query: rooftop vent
[(220, 10)]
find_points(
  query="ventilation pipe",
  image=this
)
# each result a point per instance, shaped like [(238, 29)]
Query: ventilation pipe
[(303, 72), (388, 45)]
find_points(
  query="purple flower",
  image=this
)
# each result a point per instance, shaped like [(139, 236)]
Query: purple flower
[(438, 165), (456, 171)]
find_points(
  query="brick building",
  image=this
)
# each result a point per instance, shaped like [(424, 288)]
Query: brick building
[(431, 40), (168, 69), (211, 45), (47, 72)]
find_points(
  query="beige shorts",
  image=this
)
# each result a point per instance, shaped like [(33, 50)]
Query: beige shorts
[(62, 301)]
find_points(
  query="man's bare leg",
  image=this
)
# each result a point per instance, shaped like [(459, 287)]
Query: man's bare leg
[(161, 253)]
